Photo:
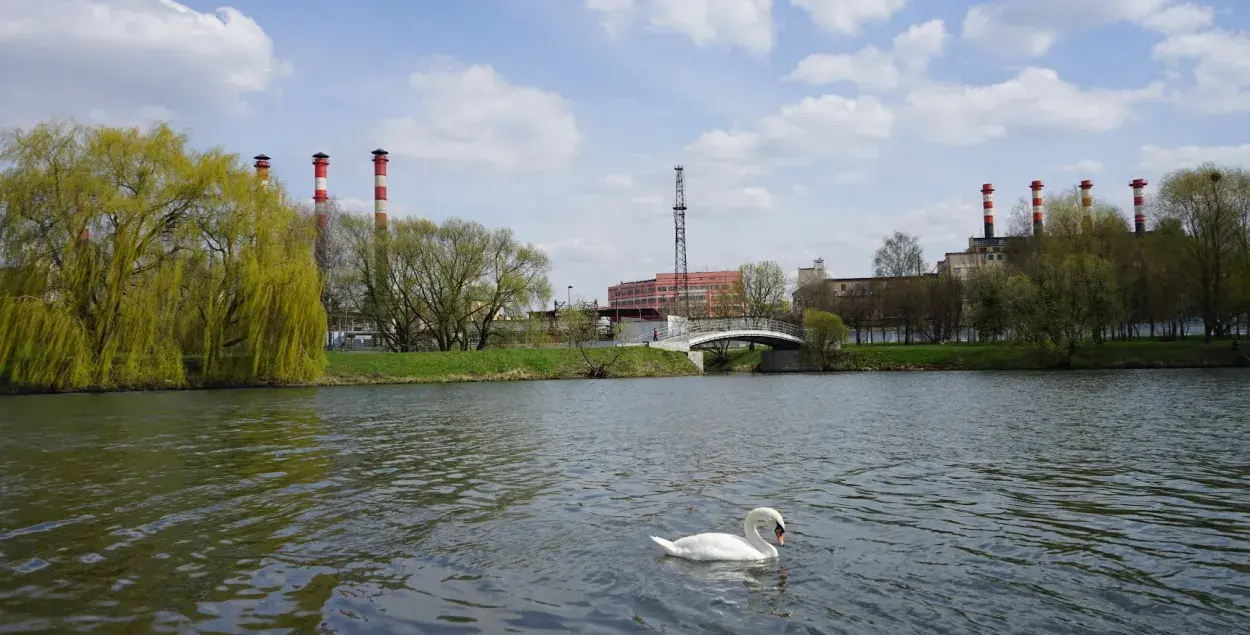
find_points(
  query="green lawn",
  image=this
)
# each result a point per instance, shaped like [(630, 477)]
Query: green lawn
[(739, 360), (499, 365)]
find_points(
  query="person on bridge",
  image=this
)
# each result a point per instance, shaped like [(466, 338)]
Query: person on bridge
[(655, 335)]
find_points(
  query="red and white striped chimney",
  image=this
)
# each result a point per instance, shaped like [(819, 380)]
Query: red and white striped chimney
[(379, 188), (321, 199), (1036, 186), (1087, 204), (1139, 206), (987, 203), (262, 168)]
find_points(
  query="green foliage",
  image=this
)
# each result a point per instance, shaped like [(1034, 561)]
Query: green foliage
[(447, 284), (129, 253), (824, 334)]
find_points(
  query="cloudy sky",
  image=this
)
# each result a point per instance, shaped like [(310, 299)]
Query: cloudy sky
[(808, 128)]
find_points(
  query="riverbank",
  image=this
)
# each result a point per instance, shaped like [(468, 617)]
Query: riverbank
[(1110, 355), (344, 369), (499, 365)]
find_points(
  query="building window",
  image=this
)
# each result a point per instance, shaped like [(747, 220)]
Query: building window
[(956, 269), (843, 286)]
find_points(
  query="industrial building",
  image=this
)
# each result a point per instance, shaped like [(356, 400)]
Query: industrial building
[(707, 289), (987, 250)]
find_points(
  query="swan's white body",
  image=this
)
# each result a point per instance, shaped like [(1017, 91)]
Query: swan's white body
[(716, 546)]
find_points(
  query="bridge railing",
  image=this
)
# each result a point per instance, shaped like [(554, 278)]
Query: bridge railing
[(701, 326)]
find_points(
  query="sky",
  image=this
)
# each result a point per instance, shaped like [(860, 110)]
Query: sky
[(807, 128)]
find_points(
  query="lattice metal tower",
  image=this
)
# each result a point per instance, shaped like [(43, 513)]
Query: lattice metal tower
[(679, 247)]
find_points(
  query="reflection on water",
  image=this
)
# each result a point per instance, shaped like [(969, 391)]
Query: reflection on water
[(928, 502)]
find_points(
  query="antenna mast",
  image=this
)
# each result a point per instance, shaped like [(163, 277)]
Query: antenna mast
[(679, 248)]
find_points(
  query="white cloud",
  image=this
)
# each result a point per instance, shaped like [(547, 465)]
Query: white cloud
[(743, 23), (1084, 165), (1181, 18), (852, 177), (848, 16), (617, 181), (1031, 27), (749, 197), (870, 67), (1036, 98), (1220, 65), (800, 133), (471, 115), (918, 45), (1160, 160), (128, 60)]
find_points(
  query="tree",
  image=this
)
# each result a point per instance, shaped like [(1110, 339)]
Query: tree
[(135, 259), (382, 275), (1212, 205), (943, 310), (824, 334), (515, 278), (446, 284), (987, 302), (899, 255), (1020, 219), (579, 327), (760, 290)]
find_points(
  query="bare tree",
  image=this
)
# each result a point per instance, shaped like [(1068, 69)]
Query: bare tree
[(760, 290), (515, 278), (579, 327), (899, 255)]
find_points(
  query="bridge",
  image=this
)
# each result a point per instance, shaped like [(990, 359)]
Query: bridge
[(690, 334)]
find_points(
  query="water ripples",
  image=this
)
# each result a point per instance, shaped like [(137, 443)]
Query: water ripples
[(1015, 503)]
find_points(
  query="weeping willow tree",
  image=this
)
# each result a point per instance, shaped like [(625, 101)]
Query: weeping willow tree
[(127, 255)]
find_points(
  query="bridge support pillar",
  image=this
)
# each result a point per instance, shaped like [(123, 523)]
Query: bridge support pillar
[(696, 357)]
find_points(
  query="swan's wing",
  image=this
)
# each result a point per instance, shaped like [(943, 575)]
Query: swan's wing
[(713, 546)]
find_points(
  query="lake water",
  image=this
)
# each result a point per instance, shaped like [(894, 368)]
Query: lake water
[(1100, 502)]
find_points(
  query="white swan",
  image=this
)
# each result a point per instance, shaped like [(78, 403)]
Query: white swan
[(714, 546)]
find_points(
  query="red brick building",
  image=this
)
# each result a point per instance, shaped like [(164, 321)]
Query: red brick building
[(707, 288)]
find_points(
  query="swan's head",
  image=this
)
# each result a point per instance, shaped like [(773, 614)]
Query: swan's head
[(779, 525)]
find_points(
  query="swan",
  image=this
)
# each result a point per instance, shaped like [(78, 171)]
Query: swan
[(715, 546)]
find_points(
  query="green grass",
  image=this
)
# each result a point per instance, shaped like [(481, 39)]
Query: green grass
[(739, 360), (499, 365), (1132, 354)]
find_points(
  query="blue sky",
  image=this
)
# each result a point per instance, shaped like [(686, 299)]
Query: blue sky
[(808, 128)]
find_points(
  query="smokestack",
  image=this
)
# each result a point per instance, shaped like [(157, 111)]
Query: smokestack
[(321, 161), (1139, 206), (262, 168), (987, 198), (379, 188), (1087, 205), (1036, 186)]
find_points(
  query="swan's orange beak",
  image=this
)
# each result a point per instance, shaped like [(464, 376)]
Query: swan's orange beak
[(781, 539)]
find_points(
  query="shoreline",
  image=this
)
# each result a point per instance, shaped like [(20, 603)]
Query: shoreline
[(510, 365)]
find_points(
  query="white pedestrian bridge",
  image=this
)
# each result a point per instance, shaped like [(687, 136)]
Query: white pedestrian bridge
[(689, 334)]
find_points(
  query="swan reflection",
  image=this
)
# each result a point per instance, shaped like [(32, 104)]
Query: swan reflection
[(756, 577)]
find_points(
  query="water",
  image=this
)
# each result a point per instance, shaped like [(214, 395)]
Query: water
[(1114, 502)]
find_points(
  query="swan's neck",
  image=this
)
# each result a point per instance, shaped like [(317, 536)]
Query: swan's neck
[(753, 535)]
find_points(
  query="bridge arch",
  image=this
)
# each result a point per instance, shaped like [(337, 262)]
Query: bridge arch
[(686, 335)]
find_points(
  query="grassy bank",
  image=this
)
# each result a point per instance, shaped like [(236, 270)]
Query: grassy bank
[(1111, 355), (498, 365), (738, 360)]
